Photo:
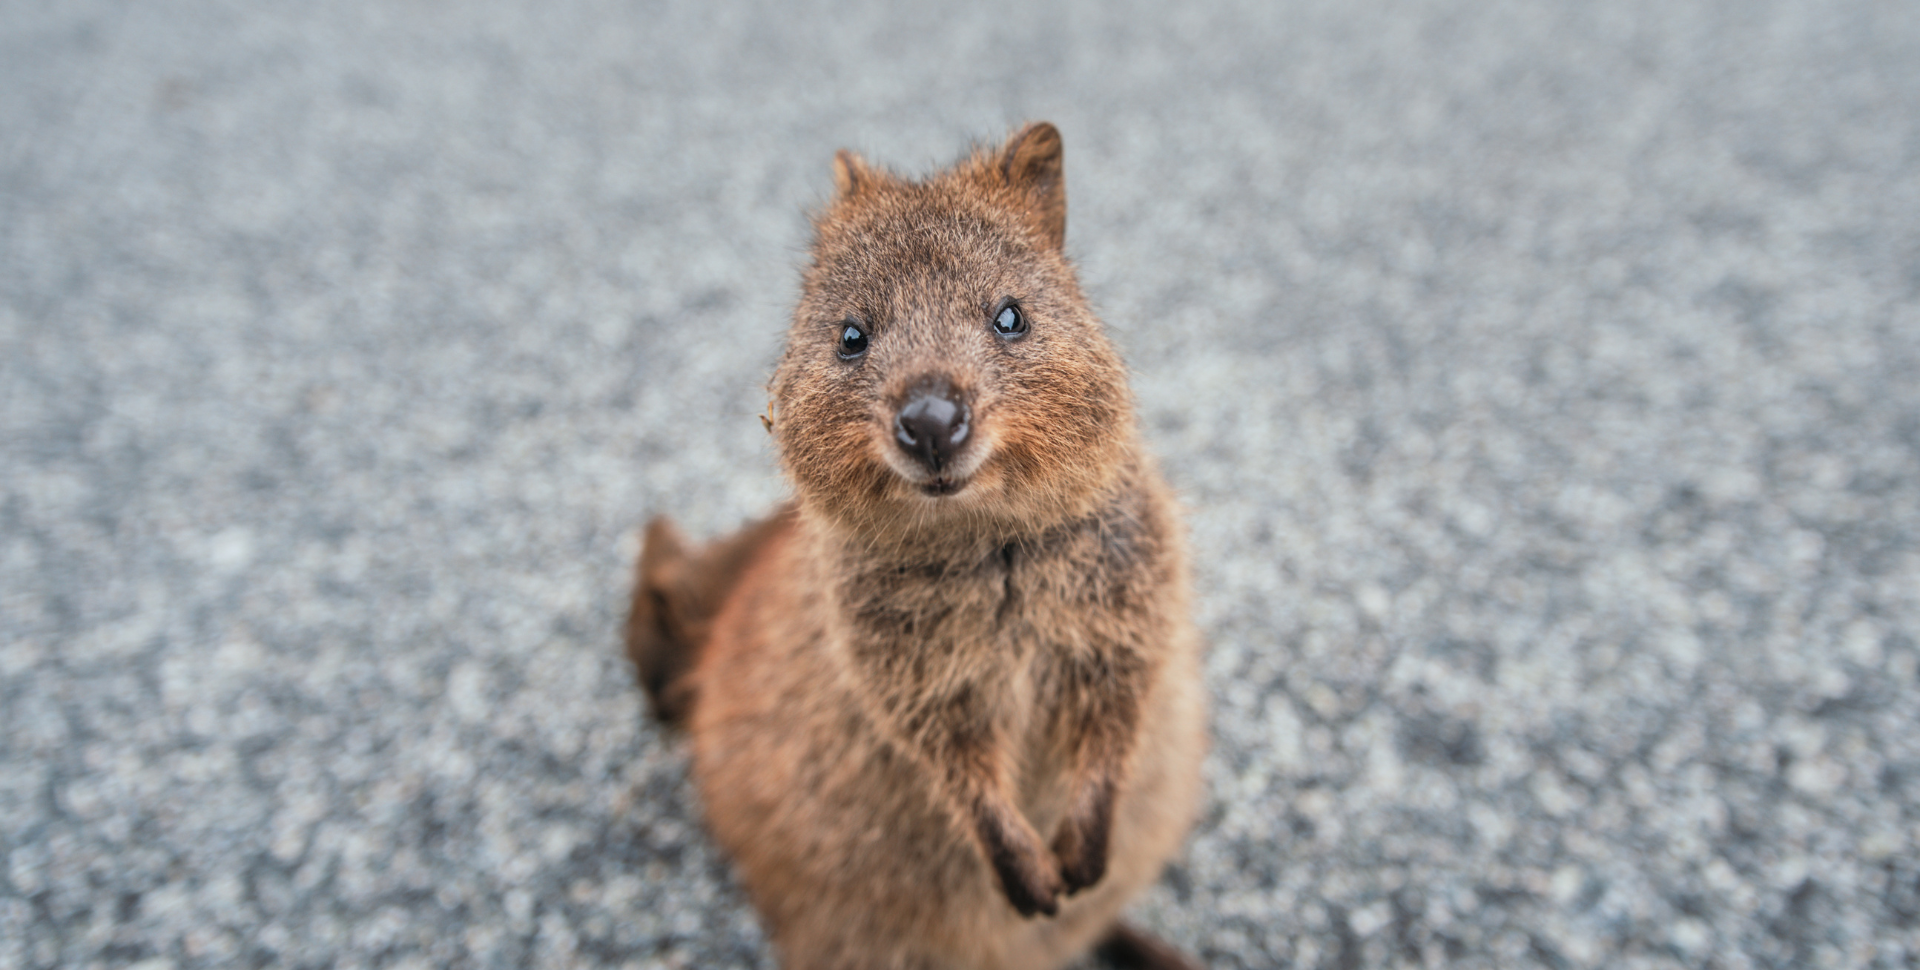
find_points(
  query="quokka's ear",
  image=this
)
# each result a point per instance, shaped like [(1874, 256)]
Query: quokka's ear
[(1031, 163), (850, 174)]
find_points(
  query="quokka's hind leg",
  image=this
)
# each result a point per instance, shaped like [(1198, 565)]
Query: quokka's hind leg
[(1128, 948), (676, 592)]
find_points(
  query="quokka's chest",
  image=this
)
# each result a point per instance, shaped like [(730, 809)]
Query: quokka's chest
[(921, 624)]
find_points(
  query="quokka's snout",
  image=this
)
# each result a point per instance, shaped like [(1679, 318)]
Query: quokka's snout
[(934, 423)]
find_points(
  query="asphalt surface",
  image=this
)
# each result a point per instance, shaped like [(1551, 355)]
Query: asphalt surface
[(1541, 379)]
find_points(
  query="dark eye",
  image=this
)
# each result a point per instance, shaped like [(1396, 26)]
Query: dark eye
[(1010, 322), (853, 341)]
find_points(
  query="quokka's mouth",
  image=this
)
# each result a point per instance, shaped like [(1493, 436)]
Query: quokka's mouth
[(942, 485)]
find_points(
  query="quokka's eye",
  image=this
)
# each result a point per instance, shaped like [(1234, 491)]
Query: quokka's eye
[(1010, 322), (853, 341)]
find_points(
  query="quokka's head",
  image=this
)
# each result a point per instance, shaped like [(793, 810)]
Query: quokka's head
[(943, 367)]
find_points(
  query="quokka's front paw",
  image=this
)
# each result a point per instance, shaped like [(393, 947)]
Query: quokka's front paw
[(1082, 855), (1081, 842), (1031, 884), (1027, 873)]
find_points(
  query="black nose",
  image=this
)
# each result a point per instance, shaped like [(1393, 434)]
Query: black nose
[(932, 426)]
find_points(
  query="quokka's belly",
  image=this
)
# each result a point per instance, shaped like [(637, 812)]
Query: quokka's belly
[(849, 853), (845, 849), (852, 859)]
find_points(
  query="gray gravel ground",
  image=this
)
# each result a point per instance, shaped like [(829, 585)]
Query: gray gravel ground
[(1540, 376)]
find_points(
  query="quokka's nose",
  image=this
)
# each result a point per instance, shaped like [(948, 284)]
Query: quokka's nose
[(934, 423)]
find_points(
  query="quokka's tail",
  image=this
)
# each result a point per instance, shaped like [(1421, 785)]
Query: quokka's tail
[(676, 593), (1127, 948)]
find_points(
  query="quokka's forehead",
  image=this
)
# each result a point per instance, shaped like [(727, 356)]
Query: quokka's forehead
[(891, 253), (921, 215)]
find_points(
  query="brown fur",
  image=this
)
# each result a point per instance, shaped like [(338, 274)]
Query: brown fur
[(952, 726)]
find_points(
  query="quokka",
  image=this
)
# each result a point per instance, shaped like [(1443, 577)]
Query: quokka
[(945, 704)]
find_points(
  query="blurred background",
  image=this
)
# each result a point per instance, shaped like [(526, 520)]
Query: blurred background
[(1540, 378)]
